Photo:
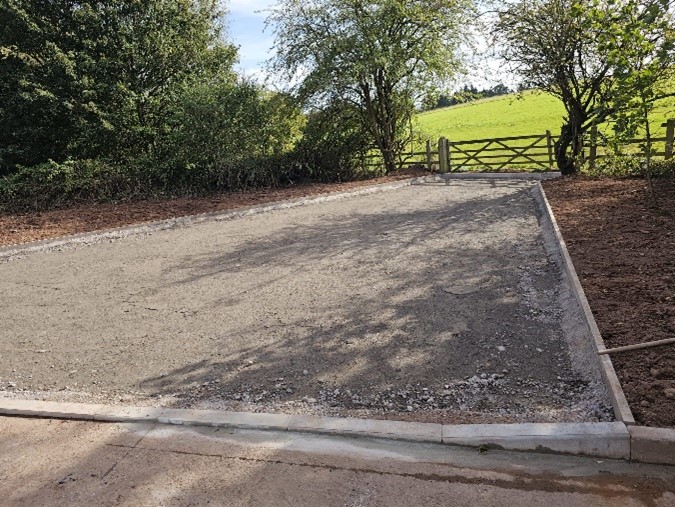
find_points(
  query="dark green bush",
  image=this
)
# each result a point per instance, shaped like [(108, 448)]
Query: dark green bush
[(333, 146), (54, 185)]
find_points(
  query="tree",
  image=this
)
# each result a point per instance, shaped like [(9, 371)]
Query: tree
[(581, 51), (640, 37), (87, 78), (379, 56), (550, 44)]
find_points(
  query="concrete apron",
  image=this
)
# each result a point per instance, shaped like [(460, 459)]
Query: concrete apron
[(620, 439)]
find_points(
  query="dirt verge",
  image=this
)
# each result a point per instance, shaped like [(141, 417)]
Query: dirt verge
[(623, 250), (27, 227)]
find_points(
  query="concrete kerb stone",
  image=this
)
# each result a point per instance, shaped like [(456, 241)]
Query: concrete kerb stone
[(397, 430), (620, 404), (609, 440), (652, 445), (498, 176)]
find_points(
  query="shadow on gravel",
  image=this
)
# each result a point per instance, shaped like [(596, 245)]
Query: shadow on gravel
[(368, 239), (448, 309)]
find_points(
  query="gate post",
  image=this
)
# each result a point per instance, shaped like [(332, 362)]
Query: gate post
[(670, 135), (549, 145), (443, 154), (429, 160), (593, 151)]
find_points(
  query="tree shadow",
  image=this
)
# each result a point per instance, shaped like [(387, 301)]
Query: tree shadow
[(199, 466), (449, 308)]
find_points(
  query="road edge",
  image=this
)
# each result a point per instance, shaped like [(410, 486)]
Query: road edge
[(605, 440)]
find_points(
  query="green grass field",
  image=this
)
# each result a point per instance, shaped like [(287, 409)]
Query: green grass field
[(509, 115), (531, 113)]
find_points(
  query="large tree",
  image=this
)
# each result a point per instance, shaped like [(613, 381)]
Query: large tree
[(573, 50), (91, 78), (551, 46), (380, 56)]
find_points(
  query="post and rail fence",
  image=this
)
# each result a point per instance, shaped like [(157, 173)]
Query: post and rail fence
[(531, 153)]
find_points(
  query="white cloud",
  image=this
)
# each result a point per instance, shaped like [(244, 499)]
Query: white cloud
[(250, 7)]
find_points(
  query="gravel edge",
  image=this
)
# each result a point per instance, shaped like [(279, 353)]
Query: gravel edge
[(618, 398)]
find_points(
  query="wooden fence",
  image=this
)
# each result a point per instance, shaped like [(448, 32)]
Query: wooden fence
[(533, 152), (662, 146)]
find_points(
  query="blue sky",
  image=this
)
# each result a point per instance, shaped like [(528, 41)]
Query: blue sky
[(246, 24)]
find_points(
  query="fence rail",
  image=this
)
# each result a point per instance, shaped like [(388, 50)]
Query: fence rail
[(536, 152)]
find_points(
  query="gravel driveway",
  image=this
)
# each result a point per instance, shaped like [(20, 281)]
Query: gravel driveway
[(430, 303)]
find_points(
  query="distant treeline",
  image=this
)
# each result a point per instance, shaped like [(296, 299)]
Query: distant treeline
[(468, 93)]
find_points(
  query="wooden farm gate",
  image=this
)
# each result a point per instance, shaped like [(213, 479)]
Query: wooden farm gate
[(533, 152), (528, 153)]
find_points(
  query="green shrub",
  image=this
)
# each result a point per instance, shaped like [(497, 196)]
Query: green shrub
[(333, 146), (54, 185), (663, 168)]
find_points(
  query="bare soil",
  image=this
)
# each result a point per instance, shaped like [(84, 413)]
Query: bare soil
[(623, 248)]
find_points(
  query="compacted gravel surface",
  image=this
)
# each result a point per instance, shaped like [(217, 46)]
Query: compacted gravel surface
[(430, 303)]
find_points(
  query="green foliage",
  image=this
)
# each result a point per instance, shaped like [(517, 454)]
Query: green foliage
[(622, 165), (84, 79), (53, 185), (615, 165), (327, 153), (118, 100), (639, 39), (379, 56), (233, 132)]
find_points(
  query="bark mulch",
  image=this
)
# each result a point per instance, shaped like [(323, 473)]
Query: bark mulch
[(623, 248), (35, 226)]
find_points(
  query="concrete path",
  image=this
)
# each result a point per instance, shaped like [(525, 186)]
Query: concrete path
[(50, 462)]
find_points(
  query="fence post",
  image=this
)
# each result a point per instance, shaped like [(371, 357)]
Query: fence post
[(549, 145), (670, 135), (448, 144), (443, 155), (429, 160), (593, 151)]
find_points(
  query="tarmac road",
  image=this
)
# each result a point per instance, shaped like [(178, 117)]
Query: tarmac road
[(58, 463)]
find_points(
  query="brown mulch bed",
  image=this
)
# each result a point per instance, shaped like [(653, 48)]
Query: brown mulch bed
[(26, 227), (623, 248)]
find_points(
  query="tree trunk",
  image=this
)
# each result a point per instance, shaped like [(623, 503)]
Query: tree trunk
[(564, 162), (570, 138), (388, 155)]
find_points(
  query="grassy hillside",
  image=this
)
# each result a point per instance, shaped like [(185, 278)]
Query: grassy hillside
[(509, 115)]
